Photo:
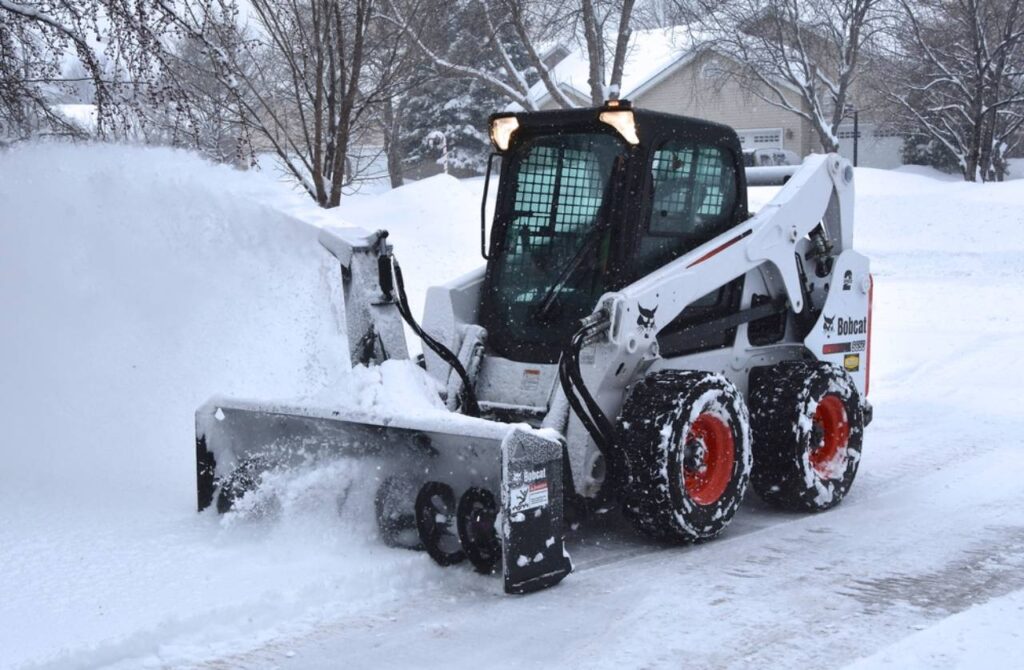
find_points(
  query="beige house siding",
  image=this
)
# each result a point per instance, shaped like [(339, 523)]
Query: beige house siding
[(689, 92), (811, 140), (549, 103)]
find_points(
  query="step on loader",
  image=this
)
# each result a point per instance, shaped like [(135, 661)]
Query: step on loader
[(636, 340)]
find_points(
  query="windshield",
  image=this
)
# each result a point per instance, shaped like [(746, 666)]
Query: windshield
[(554, 244)]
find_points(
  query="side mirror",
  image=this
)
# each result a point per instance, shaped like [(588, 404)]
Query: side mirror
[(483, 207)]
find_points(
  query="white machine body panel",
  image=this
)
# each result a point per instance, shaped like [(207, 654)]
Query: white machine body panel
[(842, 334)]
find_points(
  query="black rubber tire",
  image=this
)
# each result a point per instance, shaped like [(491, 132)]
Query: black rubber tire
[(655, 423), (434, 500), (394, 504), (783, 402), (476, 516)]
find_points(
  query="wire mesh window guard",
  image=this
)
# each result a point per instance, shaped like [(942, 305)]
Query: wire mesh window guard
[(555, 246)]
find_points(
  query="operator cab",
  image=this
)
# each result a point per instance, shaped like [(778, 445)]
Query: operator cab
[(591, 200)]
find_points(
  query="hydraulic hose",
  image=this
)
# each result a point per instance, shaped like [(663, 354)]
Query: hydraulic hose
[(469, 402), (585, 407)]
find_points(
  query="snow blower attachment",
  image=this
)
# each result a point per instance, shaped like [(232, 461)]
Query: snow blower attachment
[(636, 340)]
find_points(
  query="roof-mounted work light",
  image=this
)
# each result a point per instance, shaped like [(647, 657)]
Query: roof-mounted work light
[(619, 115), (501, 131)]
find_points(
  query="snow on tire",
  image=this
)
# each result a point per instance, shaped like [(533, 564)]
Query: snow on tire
[(808, 428), (687, 435)]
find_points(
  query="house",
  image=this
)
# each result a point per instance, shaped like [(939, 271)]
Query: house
[(664, 74)]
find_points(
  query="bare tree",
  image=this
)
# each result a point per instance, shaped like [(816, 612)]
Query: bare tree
[(302, 83), (117, 47), (403, 68), (212, 121), (810, 47), (959, 78), (517, 31)]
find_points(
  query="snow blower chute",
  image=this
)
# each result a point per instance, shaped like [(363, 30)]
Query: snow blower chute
[(635, 341)]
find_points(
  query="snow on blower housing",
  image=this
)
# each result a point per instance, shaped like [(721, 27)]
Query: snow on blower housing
[(635, 338)]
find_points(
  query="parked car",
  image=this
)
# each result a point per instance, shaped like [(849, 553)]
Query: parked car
[(769, 157)]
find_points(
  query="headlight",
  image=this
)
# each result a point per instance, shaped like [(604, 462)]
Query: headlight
[(622, 121), (501, 131)]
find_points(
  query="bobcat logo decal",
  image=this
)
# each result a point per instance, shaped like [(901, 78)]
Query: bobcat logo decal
[(521, 497), (828, 324), (646, 318)]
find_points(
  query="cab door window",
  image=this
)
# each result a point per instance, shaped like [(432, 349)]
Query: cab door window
[(693, 199)]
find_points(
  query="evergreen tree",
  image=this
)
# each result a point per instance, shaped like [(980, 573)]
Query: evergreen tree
[(451, 107)]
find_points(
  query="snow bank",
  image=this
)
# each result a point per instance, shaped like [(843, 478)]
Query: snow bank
[(984, 636), (134, 284), (434, 226)]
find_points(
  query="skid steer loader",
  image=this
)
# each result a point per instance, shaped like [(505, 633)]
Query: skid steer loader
[(635, 339)]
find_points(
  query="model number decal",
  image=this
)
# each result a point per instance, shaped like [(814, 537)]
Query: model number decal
[(844, 347)]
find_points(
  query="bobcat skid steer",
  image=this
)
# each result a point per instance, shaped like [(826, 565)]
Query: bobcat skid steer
[(635, 339)]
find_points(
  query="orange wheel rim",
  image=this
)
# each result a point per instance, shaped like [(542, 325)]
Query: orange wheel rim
[(709, 457), (834, 428)]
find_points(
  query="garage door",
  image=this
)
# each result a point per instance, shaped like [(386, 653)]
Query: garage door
[(761, 138), (876, 148)]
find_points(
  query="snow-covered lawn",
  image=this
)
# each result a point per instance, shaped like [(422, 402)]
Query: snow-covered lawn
[(136, 283)]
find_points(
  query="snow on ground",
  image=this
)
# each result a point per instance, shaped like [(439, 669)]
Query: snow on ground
[(986, 636), (136, 283)]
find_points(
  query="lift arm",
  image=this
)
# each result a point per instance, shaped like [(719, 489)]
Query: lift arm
[(820, 192)]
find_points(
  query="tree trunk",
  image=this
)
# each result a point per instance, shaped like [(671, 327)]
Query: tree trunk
[(828, 143), (621, 46), (595, 53), (999, 168), (392, 142), (351, 92), (972, 161), (971, 166)]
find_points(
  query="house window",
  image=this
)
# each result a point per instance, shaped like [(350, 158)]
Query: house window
[(711, 69), (761, 138)]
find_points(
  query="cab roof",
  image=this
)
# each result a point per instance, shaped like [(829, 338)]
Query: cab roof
[(650, 125)]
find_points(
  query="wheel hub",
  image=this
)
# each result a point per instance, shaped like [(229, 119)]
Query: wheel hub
[(708, 459), (695, 455)]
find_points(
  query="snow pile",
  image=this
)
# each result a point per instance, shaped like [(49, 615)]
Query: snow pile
[(383, 391), (434, 226), (134, 285)]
